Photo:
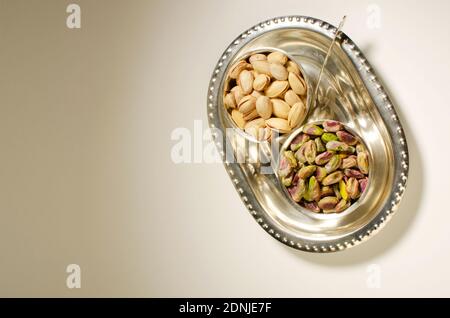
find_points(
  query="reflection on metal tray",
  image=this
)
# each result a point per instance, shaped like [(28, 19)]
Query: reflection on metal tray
[(349, 92)]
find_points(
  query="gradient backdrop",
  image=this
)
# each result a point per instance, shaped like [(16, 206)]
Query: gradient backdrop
[(86, 175)]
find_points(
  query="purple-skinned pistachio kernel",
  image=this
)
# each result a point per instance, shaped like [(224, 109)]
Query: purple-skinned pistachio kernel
[(313, 130), (300, 154), (332, 125), (326, 191), (285, 169), (339, 146), (306, 172), (346, 137), (323, 158), (349, 162), (312, 206), (333, 164), (314, 189), (332, 178), (328, 203), (290, 158), (363, 184), (310, 151), (353, 173), (297, 191), (299, 141), (363, 162), (341, 206), (321, 173), (320, 147), (353, 188)]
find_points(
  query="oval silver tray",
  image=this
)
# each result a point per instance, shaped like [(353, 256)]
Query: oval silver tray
[(349, 92)]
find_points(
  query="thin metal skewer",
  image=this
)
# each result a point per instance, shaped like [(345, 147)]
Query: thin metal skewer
[(341, 24)]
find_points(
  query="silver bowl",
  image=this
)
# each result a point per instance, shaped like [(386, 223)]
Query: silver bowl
[(350, 93)]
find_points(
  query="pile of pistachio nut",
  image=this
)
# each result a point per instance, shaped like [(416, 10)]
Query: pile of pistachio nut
[(265, 91), (326, 168)]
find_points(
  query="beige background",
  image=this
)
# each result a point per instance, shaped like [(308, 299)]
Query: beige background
[(85, 169)]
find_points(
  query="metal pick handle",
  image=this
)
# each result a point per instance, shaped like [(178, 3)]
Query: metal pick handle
[(341, 24)]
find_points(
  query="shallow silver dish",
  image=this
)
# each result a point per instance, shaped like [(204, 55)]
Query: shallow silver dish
[(349, 92)]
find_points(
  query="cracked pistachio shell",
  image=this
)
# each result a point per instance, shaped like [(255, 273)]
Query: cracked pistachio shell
[(363, 162), (238, 93), (238, 118), (328, 203), (280, 108), (332, 125), (264, 107), (247, 105), (333, 164), (297, 83), (327, 137), (291, 98), (296, 114), (276, 88), (256, 94), (261, 82), (306, 172), (298, 141), (312, 129), (292, 67), (320, 174), (258, 123), (257, 57), (229, 101), (279, 124), (262, 67), (333, 178), (278, 71), (238, 67), (246, 81), (277, 57), (252, 115)]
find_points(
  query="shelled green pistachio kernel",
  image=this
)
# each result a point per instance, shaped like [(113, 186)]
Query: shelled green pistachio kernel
[(319, 145), (326, 168), (321, 173), (326, 137)]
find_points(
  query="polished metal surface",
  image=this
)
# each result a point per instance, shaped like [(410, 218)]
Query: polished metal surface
[(349, 92)]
